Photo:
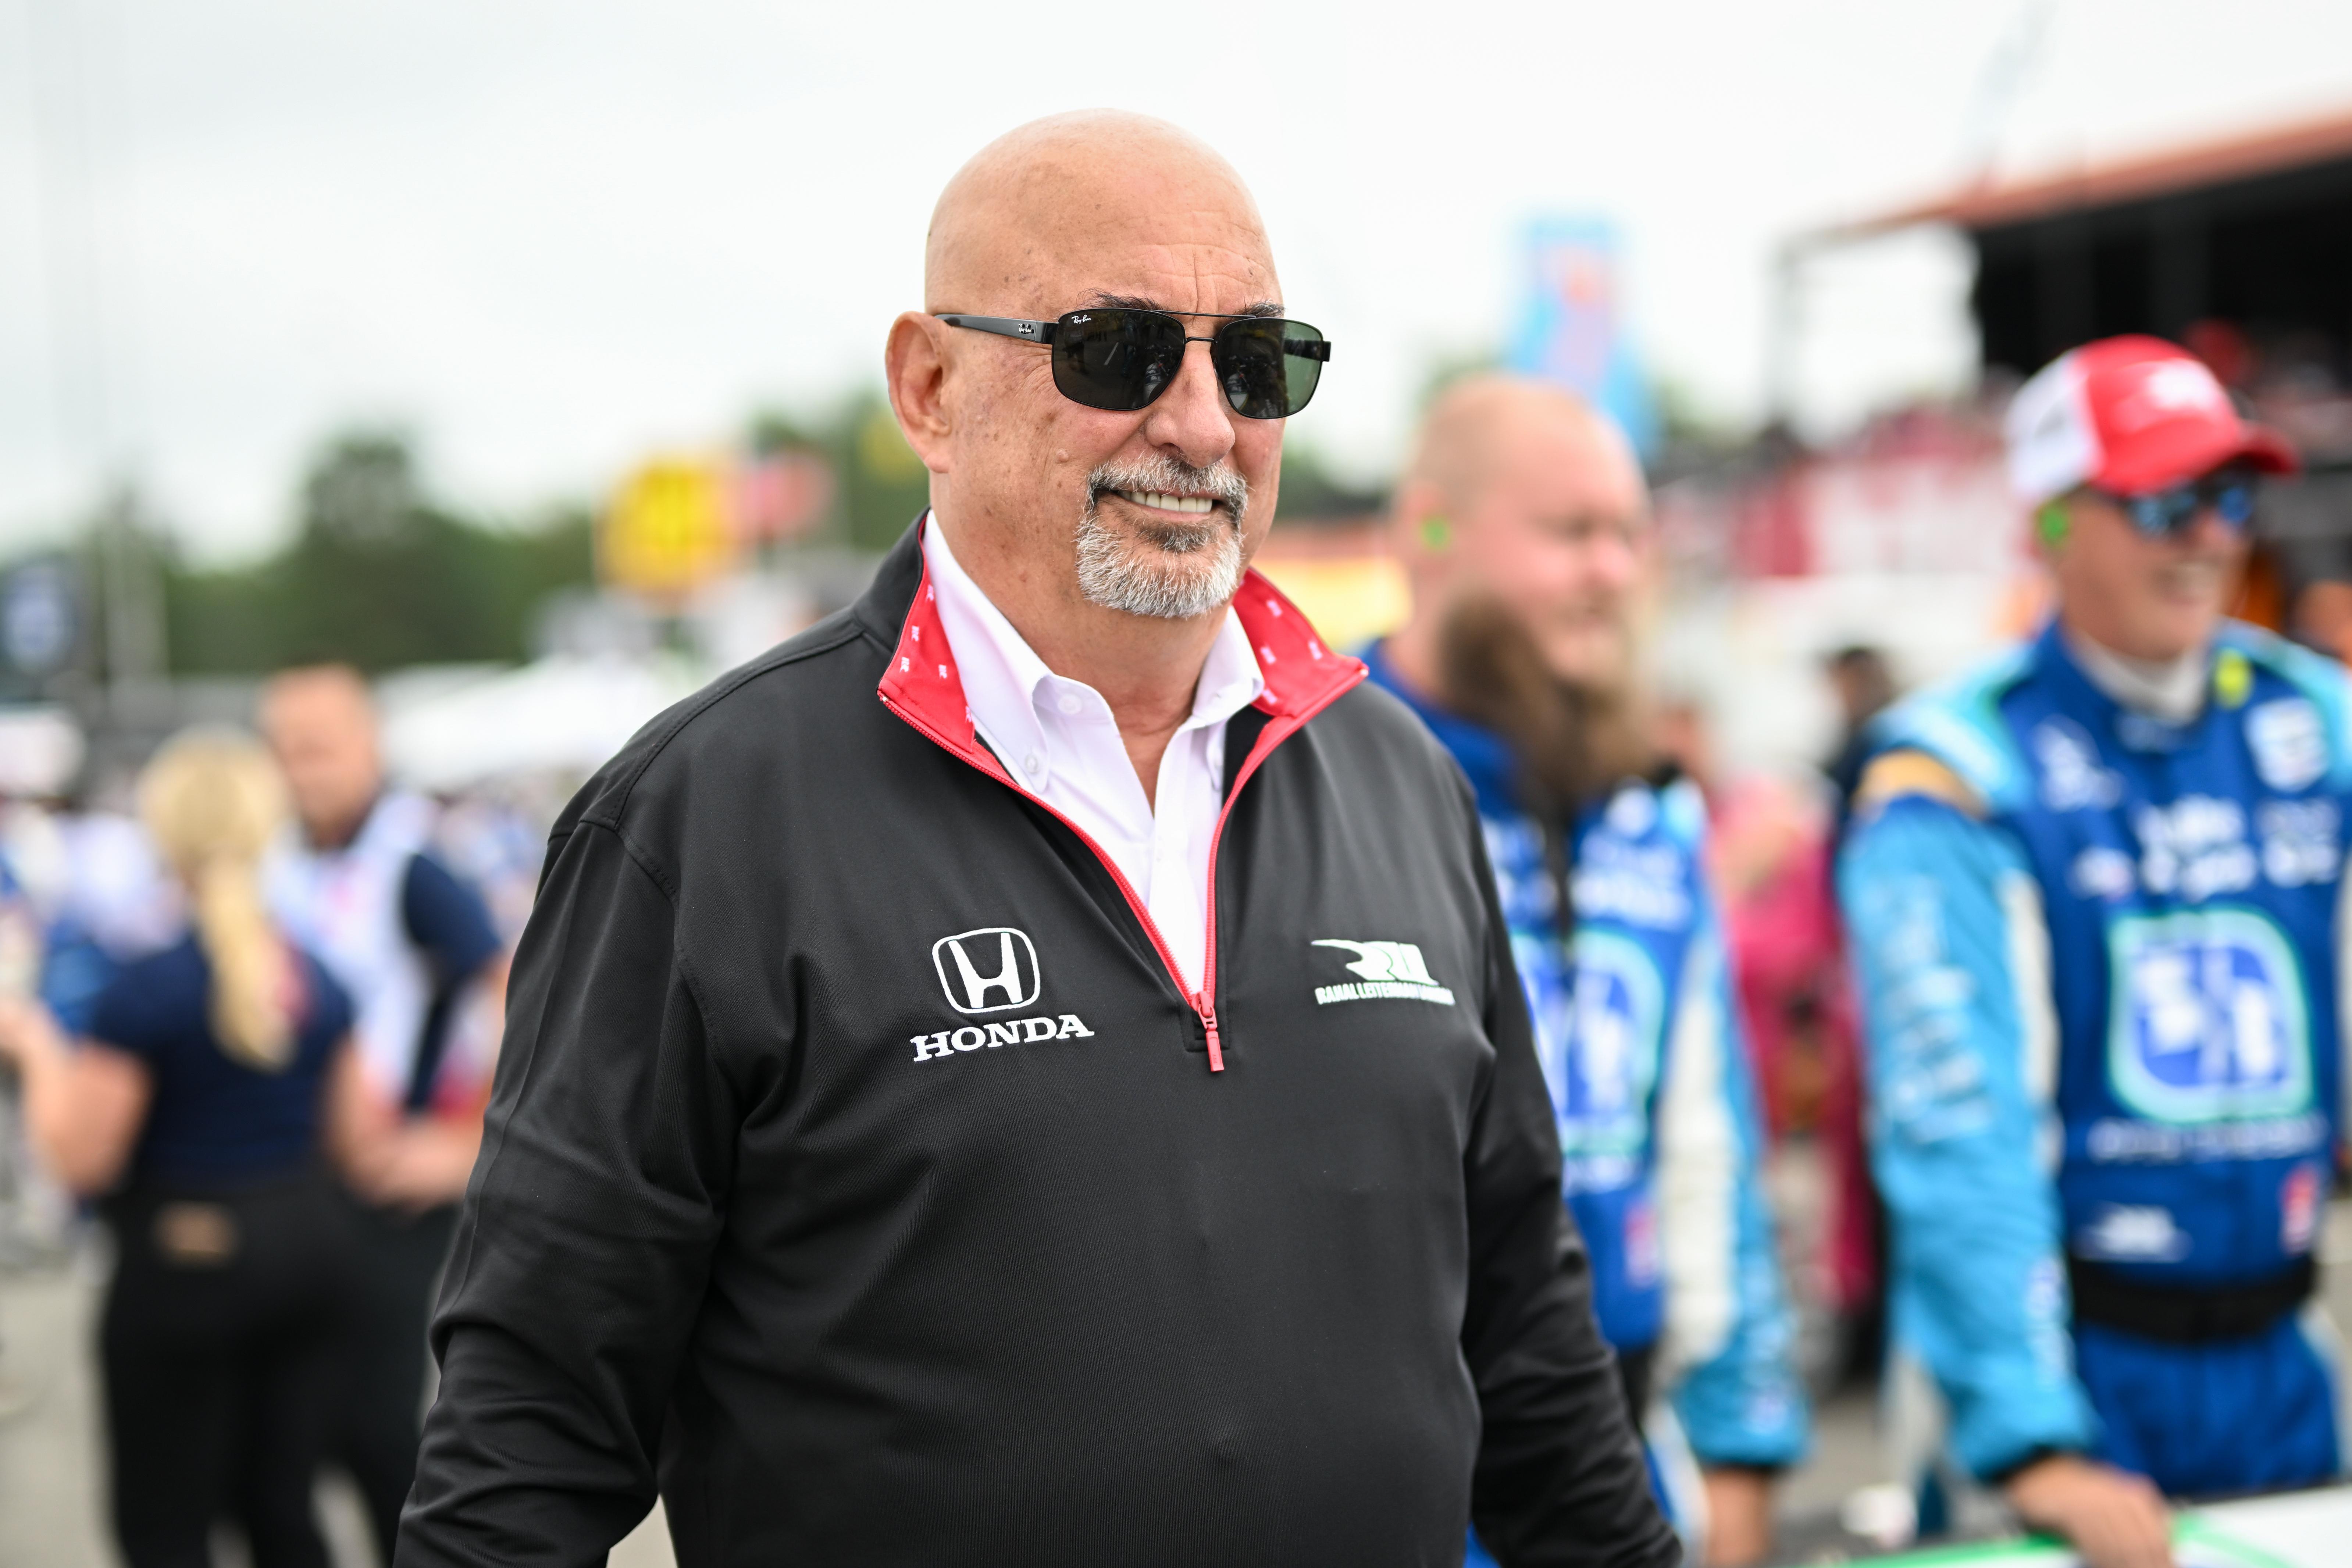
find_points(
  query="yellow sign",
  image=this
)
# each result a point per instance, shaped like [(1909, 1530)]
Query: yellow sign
[(1349, 599), (667, 533)]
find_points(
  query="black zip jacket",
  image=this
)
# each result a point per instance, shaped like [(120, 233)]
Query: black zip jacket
[(858, 1170)]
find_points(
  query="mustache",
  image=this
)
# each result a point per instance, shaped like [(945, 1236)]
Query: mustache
[(1225, 487)]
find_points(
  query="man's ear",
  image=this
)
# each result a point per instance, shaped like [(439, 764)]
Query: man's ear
[(914, 365), (2052, 524)]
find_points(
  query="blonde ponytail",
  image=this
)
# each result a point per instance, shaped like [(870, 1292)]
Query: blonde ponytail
[(212, 801)]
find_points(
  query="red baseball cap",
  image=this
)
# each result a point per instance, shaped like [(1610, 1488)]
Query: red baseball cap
[(2131, 415)]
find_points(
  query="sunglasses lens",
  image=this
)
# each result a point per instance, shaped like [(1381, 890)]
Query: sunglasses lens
[(1123, 360), (1117, 360), (2165, 512), (2230, 499), (1267, 366), (2234, 504)]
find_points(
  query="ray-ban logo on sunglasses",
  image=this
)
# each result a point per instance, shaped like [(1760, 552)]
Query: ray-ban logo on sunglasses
[(992, 970)]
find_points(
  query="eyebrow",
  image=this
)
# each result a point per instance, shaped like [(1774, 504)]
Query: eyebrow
[(1137, 302)]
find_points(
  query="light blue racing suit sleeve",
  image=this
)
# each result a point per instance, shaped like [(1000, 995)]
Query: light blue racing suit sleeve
[(1952, 960), (1728, 1319)]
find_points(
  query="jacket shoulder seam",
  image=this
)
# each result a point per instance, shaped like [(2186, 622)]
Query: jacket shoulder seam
[(491, 1152), (661, 878), (609, 816)]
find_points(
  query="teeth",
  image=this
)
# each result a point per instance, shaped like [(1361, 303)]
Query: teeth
[(1168, 502)]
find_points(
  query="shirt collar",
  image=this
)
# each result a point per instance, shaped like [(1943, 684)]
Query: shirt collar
[(2172, 689), (1003, 674)]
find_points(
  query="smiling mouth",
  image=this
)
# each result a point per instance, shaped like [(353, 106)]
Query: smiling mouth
[(1160, 500)]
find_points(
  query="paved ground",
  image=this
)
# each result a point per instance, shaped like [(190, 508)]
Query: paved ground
[(51, 1501), (52, 1498)]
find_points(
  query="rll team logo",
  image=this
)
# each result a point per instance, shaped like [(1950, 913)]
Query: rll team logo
[(1387, 969)]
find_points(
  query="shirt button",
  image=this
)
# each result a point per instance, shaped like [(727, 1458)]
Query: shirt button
[(1030, 764), (1068, 702)]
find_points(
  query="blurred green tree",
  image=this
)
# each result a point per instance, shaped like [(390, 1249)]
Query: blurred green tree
[(1311, 492), (880, 483), (376, 576), (884, 484)]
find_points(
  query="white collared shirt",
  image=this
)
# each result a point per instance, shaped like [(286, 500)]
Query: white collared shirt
[(1058, 739)]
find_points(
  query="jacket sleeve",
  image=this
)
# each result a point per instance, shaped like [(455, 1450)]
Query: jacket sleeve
[(1952, 960), (582, 1252), (1561, 1478), (1730, 1343)]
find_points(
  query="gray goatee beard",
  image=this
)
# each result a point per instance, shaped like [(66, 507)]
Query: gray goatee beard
[(1172, 571)]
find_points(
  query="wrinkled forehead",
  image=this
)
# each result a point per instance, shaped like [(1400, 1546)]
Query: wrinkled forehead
[(1177, 233)]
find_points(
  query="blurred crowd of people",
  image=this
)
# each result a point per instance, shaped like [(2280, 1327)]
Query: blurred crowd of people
[(2043, 969), (2039, 967), (253, 1002)]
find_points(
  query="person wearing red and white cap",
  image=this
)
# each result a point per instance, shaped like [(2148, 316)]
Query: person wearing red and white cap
[(2093, 889)]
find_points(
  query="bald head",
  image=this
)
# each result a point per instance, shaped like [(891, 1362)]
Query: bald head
[(1520, 495), (1060, 191), (1484, 427)]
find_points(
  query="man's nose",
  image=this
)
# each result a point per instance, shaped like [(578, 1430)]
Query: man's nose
[(2208, 531), (1191, 418)]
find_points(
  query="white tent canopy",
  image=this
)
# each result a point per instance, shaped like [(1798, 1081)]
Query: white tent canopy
[(40, 748), (561, 715)]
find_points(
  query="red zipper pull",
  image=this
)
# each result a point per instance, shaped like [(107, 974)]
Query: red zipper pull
[(1209, 1017)]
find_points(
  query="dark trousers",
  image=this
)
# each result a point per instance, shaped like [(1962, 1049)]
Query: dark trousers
[(400, 1258), (222, 1350)]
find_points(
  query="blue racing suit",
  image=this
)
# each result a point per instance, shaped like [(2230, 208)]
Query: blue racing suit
[(1640, 1042), (2098, 962)]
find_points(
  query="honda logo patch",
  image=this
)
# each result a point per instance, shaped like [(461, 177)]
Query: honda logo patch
[(992, 970)]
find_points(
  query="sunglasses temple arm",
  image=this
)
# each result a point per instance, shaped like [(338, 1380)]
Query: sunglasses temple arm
[(1006, 327)]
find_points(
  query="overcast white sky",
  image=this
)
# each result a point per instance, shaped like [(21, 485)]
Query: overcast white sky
[(547, 236)]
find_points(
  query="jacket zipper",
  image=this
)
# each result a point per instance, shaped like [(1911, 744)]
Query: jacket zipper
[(1206, 1002), (1203, 1001), (1126, 888)]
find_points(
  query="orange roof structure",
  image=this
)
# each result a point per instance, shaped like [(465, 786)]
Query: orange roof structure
[(1994, 203)]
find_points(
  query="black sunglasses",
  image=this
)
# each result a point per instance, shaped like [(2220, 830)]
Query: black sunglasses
[(2228, 493), (1122, 360)]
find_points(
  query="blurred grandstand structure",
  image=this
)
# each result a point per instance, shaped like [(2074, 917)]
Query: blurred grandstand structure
[(1903, 535), (2238, 247)]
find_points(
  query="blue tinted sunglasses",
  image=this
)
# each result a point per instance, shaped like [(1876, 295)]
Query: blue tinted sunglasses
[(2228, 494)]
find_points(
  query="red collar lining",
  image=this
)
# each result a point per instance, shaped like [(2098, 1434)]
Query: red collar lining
[(1302, 676)]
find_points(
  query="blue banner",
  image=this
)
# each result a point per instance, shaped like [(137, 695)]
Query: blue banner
[(1571, 327)]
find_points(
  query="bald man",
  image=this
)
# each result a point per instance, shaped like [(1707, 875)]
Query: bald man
[(1031, 1071), (1523, 521)]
